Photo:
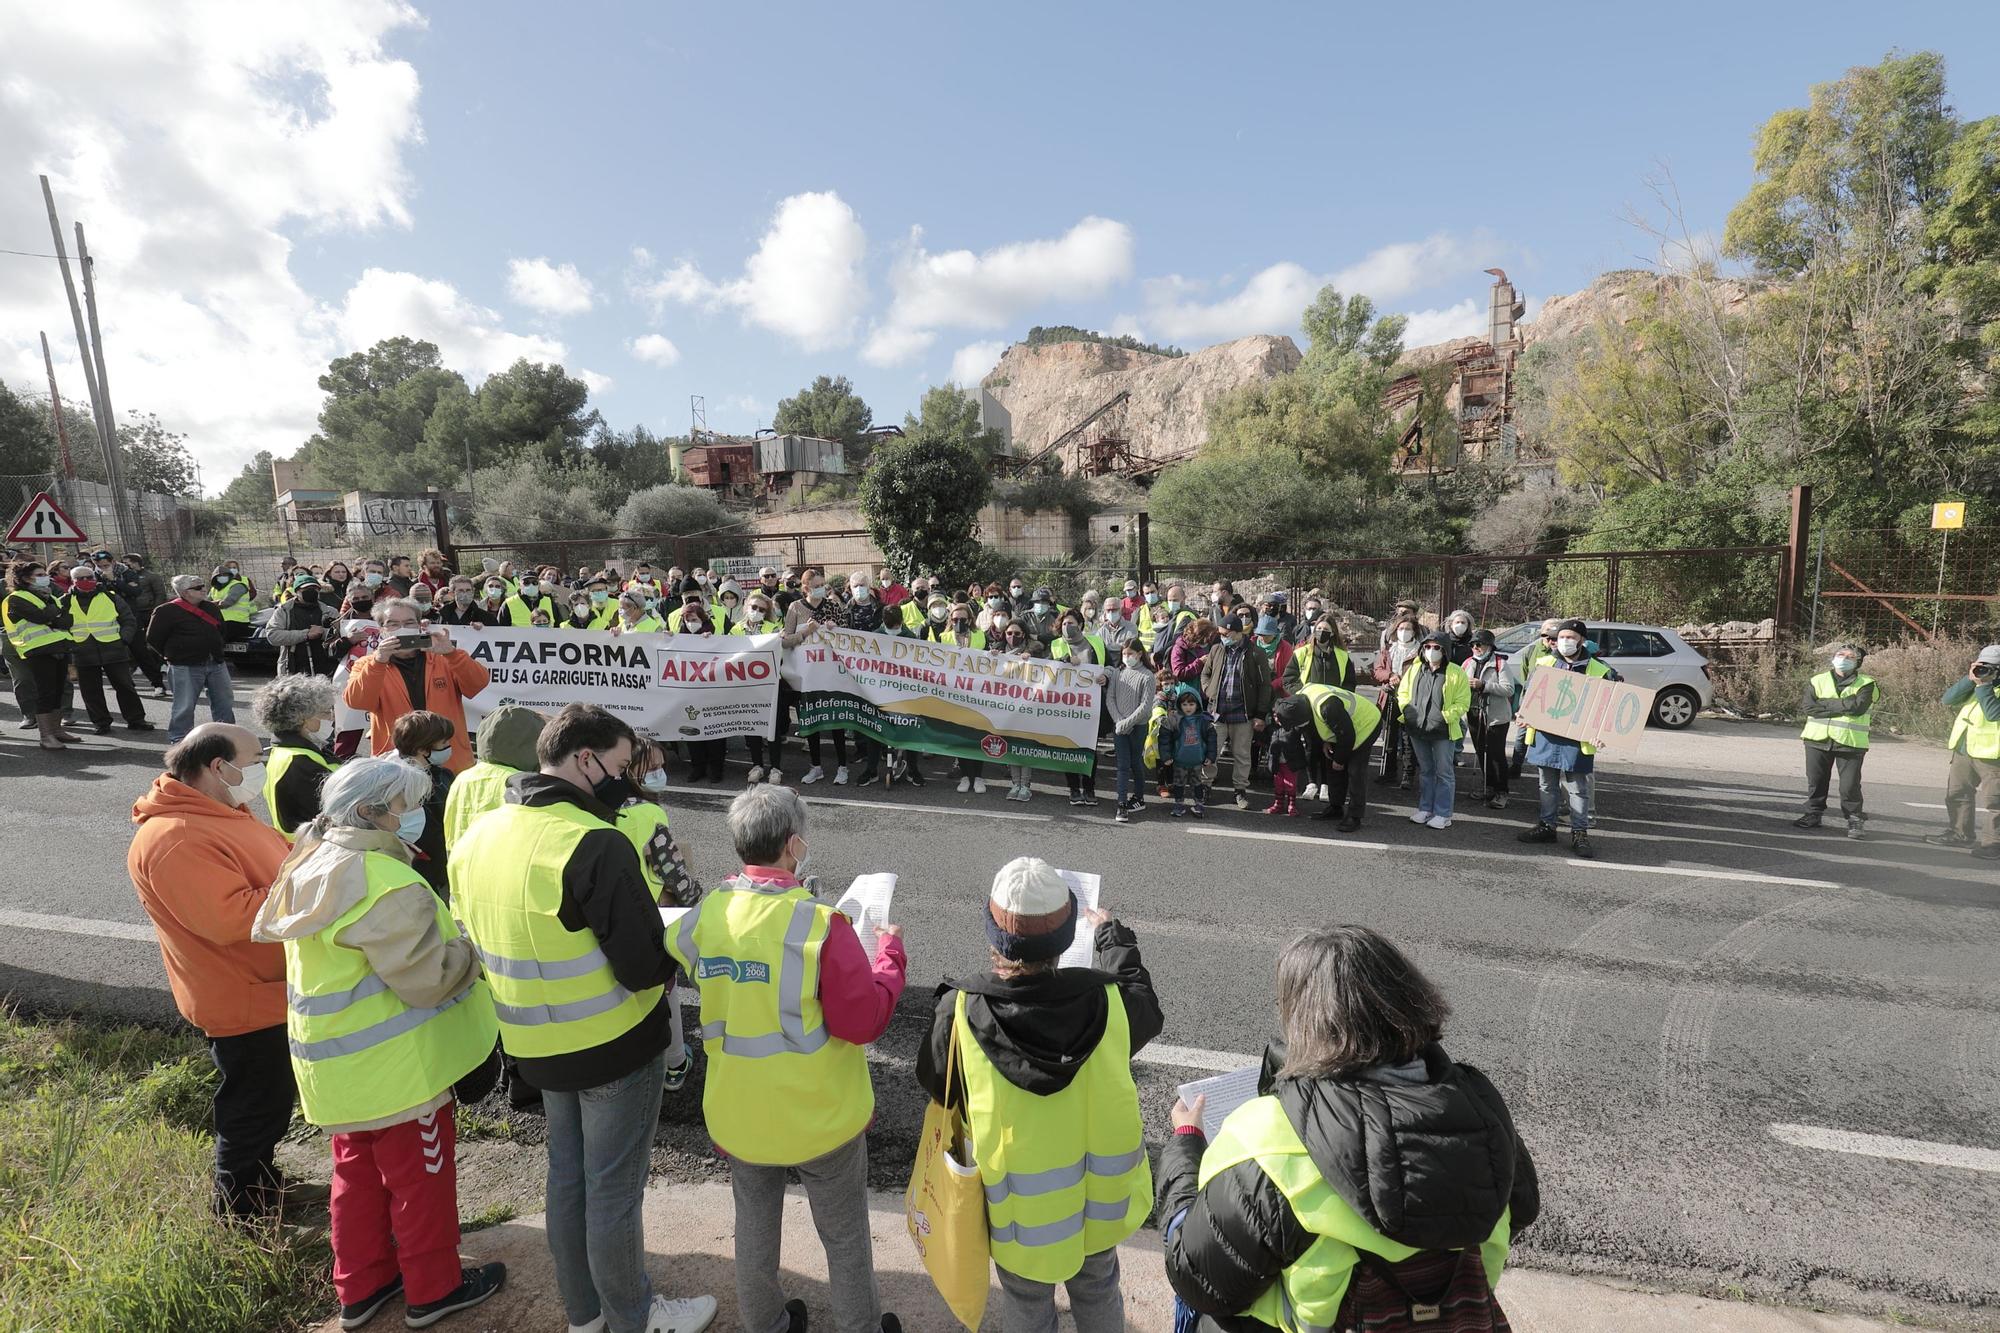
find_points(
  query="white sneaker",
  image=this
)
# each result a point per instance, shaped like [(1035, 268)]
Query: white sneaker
[(686, 1314), (813, 774), (964, 786), (1440, 821), (840, 776), (597, 1325), (756, 776), (978, 787), (1420, 817), (773, 775), (1315, 792)]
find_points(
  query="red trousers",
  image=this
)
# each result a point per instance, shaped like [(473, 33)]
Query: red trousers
[(395, 1208)]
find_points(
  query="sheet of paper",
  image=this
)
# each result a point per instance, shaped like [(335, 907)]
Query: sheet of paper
[(1225, 1092), (866, 904), (1083, 949)]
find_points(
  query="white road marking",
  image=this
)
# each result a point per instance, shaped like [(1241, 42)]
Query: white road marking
[(1923, 805), (1957, 1155), (1744, 876), (814, 798), (1192, 1057), (77, 925)]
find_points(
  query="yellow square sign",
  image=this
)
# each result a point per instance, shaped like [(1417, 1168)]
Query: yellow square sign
[(1948, 514)]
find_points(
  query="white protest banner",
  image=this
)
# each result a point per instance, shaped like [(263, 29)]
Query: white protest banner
[(1596, 710), (913, 694), (677, 686)]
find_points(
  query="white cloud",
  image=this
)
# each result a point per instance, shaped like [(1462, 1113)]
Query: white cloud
[(970, 363), (1463, 320), (654, 349), (188, 139), (598, 384), (960, 289), (471, 337), (1272, 300), (553, 289), (804, 281)]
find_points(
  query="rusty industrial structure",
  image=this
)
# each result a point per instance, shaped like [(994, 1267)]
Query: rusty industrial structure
[(1478, 382), (1097, 446)]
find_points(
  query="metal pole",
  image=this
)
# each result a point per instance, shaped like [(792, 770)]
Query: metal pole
[(1611, 589), (106, 437), (1819, 567), (120, 499), (68, 471), (1937, 607), (1145, 548)]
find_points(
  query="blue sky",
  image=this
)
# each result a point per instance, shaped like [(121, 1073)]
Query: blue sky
[(1181, 170)]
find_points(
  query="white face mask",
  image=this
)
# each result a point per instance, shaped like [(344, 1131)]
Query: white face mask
[(1569, 647), (1113, 616), (999, 622), (1406, 636), (1482, 653), (311, 730), (655, 780), (251, 780), (1433, 656), (1845, 665), (938, 613), (862, 594), (1461, 628)]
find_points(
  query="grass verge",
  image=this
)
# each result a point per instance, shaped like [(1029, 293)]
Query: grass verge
[(105, 1166)]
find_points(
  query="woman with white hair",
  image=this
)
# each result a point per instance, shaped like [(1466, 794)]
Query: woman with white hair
[(386, 1011), (634, 615), (188, 634), (298, 712)]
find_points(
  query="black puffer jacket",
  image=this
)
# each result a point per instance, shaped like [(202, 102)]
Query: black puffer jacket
[(1429, 1164)]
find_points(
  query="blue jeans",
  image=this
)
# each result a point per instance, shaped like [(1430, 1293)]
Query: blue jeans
[(1130, 748), (188, 684), (1556, 785), (1437, 782), (600, 1145)]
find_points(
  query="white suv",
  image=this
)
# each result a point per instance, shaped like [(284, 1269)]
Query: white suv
[(1648, 655)]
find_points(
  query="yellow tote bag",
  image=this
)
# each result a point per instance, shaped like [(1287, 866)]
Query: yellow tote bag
[(945, 1207)]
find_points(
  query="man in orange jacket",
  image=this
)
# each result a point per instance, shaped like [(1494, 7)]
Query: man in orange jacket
[(413, 667), (202, 864)]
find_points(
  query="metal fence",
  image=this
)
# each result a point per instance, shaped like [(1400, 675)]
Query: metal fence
[(1879, 585)]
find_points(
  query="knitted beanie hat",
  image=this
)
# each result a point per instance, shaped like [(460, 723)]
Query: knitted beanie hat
[(1031, 914)]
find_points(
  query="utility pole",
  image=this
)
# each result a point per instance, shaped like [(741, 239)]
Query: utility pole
[(127, 512), (107, 433), (55, 408)]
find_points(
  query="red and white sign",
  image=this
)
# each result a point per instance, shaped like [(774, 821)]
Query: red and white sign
[(1489, 587), (44, 521)]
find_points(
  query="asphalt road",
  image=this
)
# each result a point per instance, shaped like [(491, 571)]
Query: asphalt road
[(1650, 1016)]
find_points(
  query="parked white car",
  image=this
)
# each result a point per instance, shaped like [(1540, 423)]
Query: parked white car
[(1648, 655)]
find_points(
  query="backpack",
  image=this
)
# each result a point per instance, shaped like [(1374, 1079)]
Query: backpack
[(1436, 1291)]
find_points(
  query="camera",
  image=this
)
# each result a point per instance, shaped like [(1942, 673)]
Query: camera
[(411, 638), (1983, 670)]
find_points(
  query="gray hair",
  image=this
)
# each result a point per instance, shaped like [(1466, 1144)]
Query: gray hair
[(183, 582), (635, 597), (1348, 1000), (287, 702), (1854, 648), (370, 784), (388, 604), (762, 819)]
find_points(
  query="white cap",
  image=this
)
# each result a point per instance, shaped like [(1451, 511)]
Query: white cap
[(1030, 896), (1990, 655)]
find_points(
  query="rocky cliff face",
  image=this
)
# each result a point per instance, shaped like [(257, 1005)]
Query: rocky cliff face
[(1049, 389)]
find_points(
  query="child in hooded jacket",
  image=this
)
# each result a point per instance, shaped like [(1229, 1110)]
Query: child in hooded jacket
[(1193, 750)]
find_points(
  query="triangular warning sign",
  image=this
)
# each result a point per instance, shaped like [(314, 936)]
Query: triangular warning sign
[(44, 521)]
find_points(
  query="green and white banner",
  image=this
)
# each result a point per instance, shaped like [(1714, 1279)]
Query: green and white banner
[(912, 694), (679, 687)]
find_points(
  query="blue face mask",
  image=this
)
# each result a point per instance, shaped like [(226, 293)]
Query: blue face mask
[(655, 780), (441, 757), (410, 827)]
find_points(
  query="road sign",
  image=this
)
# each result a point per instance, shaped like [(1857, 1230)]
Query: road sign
[(1489, 587), (1948, 514), (44, 521)]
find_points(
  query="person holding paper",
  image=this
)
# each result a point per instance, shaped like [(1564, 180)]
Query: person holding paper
[(1567, 768), (789, 1003), (1045, 1074), (1368, 1149)]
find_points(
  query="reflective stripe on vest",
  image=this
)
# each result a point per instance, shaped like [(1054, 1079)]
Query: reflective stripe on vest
[(281, 761), (27, 635), (1304, 656), (1307, 1296), (1851, 731), (96, 620), (553, 989), (359, 1054), (520, 614), (1982, 738), (1065, 1174), (781, 1088), (234, 601)]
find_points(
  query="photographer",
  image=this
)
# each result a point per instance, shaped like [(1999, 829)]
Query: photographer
[(415, 666), (1974, 778)]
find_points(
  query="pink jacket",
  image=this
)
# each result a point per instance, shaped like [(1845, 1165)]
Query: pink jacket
[(857, 997)]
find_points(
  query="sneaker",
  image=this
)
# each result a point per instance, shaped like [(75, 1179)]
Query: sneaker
[(1421, 817), (1947, 840), (978, 787), (475, 1285), (1854, 829), (688, 1314), (772, 774), (361, 1311), (1274, 807), (1580, 844), (1810, 819), (1311, 792), (1440, 821), (597, 1325), (1077, 800), (140, 726), (1539, 833), (795, 1316), (677, 1075), (840, 776), (1347, 825), (1178, 811), (1089, 799), (163, 693), (1122, 817), (756, 775), (1989, 852), (813, 774), (1498, 802), (1197, 812), (1242, 800), (964, 786)]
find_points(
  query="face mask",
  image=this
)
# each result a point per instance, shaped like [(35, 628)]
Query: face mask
[(234, 571), (1173, 606), (441, 757), (1460, 628), (799, 867), (815, 594), (1312, 614), (655, 780), (1016, 641), (1152, 599), (424, 602), (862, 595), (1043, 608), (1133, 661), (1406, 636), (959, 626), (1844, 665), (495, 594), (1569, 647), (611, 787), (580, 608), (1015, 589), (462, 596), (599, 597), (250, 779), (1433, 656), (220, 580), (937, 613), (1113, 616), (373, 580), (41, 582), (1270, 646), (995, 603), (1482, 653), (410, 826), (999, 622), (311, 730)]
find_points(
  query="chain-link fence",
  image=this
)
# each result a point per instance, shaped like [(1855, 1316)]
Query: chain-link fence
[(1880, 585)]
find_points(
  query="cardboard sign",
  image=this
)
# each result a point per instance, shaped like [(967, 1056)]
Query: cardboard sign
[(1608, 714)]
